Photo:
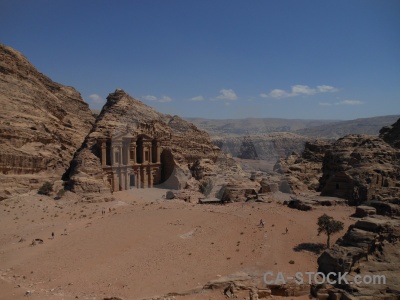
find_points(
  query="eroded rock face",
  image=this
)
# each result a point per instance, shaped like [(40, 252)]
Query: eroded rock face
[(186, 152), (42, 124), (370, 246), (302, 171), (391, 134), (361, 168)]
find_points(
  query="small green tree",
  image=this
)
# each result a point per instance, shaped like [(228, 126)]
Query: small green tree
[(328, 225), (46, 188)]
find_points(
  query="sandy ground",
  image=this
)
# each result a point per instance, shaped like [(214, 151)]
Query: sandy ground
[(144, 245)]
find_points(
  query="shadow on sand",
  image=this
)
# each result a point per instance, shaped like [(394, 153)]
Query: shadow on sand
[(316, 248)]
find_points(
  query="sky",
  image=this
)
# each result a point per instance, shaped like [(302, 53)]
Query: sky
[(310, 59)]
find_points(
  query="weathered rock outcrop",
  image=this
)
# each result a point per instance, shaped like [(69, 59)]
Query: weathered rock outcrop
[(361, 168), (302, 171), (187, 152), (369, 248), (391, 134), (42, 124)]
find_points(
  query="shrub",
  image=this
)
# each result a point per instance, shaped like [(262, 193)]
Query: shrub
[(46, 188), (60, 193)]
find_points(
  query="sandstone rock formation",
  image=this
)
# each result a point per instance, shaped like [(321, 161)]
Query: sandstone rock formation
[(370, 247), (183, 151), (42, 124), (302, 171), (391, 134), (361, 168)]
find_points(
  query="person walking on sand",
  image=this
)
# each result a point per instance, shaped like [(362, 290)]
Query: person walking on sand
[(287, 230), (52, 235), (262, 224)]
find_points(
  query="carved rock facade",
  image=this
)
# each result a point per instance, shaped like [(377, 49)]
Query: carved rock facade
[(133, 146)]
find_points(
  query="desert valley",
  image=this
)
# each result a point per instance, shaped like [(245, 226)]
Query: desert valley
[(130, 203)]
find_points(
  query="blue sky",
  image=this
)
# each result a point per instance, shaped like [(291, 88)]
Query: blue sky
[(311, 59)]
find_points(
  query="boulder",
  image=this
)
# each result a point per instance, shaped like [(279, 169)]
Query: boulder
[(363, 211)]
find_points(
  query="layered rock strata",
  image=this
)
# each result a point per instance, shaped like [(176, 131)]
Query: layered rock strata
[(42, 124)]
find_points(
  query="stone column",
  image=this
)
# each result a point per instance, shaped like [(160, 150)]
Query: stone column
[(158, 152), (115, 182), (132, 148), (128, 153), (122, 179), (150, 178), (138, 179), (120, 154), (150, 154), (144, 177), (112, 154), (128, 180), (103, 152), (144, 153)]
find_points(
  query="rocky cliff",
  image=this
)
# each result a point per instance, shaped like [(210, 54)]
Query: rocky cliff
[(42, 124), (303, 170), (369, 249), (361, 168), (391, 134), (186, 151)]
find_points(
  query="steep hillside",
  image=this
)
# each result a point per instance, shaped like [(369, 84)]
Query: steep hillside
[(42, 124)]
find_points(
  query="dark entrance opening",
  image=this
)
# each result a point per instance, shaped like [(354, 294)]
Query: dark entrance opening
[(167, 165)]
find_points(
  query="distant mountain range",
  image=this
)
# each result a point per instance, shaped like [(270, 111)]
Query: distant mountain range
[(370, 126), (329, 129), (253, 126)]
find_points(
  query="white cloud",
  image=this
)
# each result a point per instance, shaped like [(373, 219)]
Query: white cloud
[(277, 93), (163, 99), (344, 102), (302, 89), (349, 102), (227, 94), (150, 98), (197, 98), (299, 90), (96, 99), (326, 89)]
